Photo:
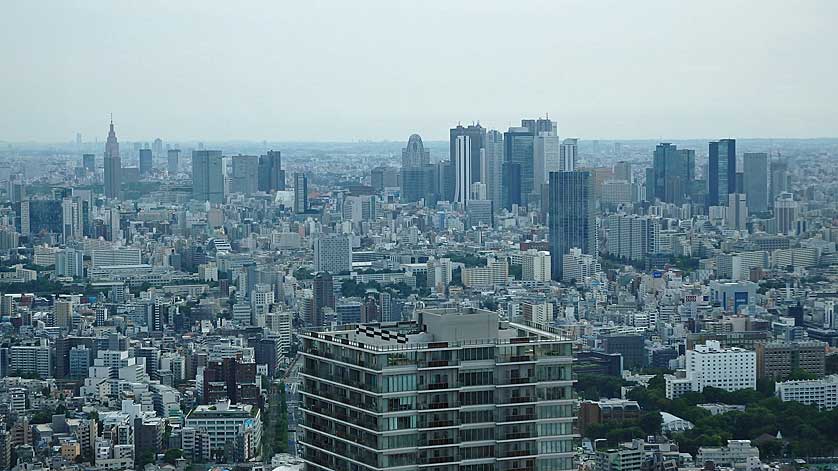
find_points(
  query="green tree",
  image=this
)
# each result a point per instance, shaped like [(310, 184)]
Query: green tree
[(172, 455)]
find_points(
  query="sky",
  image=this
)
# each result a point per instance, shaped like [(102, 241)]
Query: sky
[(382, 70)]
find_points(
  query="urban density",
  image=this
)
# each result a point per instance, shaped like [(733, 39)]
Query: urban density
[(497, 295)]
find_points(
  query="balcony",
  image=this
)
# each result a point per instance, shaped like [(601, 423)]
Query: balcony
[(438, 405), (520, 418), (521, 399), (432, 386)]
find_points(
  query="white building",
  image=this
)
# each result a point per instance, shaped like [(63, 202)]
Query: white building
[(535, 265), (578, 266), (462, 169), (31, 359), (116, 256), (737, 452), (820, 392), (224, 421), (730, 369)]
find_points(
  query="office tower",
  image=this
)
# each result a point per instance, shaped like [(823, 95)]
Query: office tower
[(89, 163), (721, 171), (568, 154), (113, 166), (415, 154), (519, 149), (208, 176), (546, 155), (173, 161), (481, 212), (333, 253), (384, 177), (430, 417), (323, 288), (632, 349), (622, 171), (786, 212), (71, 219), (63, 313), (418, 175), (245, 174), (300, 193), (145, 162), (756, 181), (463, 167), (571, 216), (446, 174), (674, 173), (779, 178), (737, 211), (157, 147), (477, 137), (493, 158), (271, 174), (511, 184)]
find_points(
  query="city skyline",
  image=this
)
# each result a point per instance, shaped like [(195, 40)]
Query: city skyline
[(595, 69)]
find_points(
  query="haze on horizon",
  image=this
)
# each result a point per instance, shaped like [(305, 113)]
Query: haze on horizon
[(340, 71)]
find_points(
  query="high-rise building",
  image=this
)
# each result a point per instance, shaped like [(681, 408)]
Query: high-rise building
[(462, 165), (157, 147), (786, 213), (519, 149), (300, 193), (493, 158), (323, 288), (477, 138), (756, 181), (333, 253), (89, 163), (415, 154), (208, 176), (631, 236), (737, 211), (568, 155), (721, 169), (271, 174), (546, 154), (145, 162), (517, 409), (710, 364), (173, 161), (511, 184), (245, 174), (113, 166), (382, 177), (571, 216), (674, 172), (622, 171), (779, 178)]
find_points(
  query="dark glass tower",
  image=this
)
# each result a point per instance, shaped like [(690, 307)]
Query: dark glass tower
[(519, 149), (721, 171), (571, 216), (674, 172), (271, 175)]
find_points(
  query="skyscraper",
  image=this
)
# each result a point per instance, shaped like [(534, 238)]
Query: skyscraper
[(477, 137), (463, 167), (779, 177), (173, 160), (245, 174), (493, 158), (519, 149), (415, 154), (271, 174), (208, 176), (721, 169), (113, 166), (571, 216), (511, 184), (674, 172), (323, 296), (546, 154), (568, 153), (756, 181), (145, 162), (300, 193), (89, 163)]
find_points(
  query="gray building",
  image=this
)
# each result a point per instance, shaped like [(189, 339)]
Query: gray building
[(455, 389), (674, 172), (571, 216), (493, 158), (519, 149), (113, 166), (245, 174), (300, 193), (415, 154), (477, 138), (145, 162), (173, 160), (333, 253), (271, 174), (208, 176), (755, 179)]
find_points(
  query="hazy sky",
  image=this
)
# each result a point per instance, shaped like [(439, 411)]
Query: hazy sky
[(346, 70)]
